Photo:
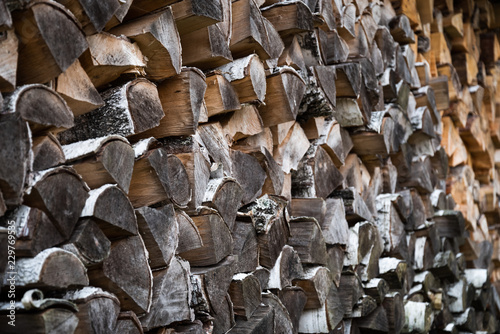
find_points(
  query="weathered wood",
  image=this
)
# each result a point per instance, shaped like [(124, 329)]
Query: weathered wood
[(193, 15), (61, 194), (216, 238), (101, 161), (249, 174), (286, 270), (307, 239), (92, 301), (88, 243), (159, 176), (171, 296), (52, 268), (9, 55), (57, 49), (157, 37), (116, 223), (160, 232), (43, 108), (245, 294), (126, 273), (129, 109), (109, 56)]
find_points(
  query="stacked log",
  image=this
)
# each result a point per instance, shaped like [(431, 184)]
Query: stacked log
[(249, 166)]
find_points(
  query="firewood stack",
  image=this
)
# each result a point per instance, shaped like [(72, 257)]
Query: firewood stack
[(250, 166)]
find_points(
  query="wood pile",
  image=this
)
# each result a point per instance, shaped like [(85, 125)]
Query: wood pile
[(249, 166)]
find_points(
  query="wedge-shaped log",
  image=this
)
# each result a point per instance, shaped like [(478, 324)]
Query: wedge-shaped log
[(287, 268), (35, 231), (129, 109), (248, 172), (57, 49), (77, 90), (8, 65), (102, 160), (212, 284), (224, 195), (216, 238), (157, 37), (282, 321), (320, 95), (325, 318), (242, 123), (47, 152), (126, 273), (128, 322), (181, 98), (160, 232), (245, 246), (355, 207), (15, 142), (88, 243), (307, 239), (245, 294), (143, 7), (248, 77), (220, 96), (189, 236), (316, 284), (252, 32), (43, 108), (52, 268), (191, 15), (450, 224), (110, 208), (262, 320), (92, 15), (334, 226), (267, 216), (61, 194), (289, 153), (159, 176), (334, 47), (109, 56), (393, 271), (171, 296), (316, 174), (285, 90), (44, 321), (418, 317), (97, 309)]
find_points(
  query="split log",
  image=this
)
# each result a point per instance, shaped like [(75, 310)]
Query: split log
[(129, 109), (316, 175), (194, 15), (126, 273), (220, 96), (252, 32), (197, 166), (245, 294), (47, 152), (157, 37), (267, 216), (57, 49), (61, 194), (375, 322), (326, 318), (45, 321), (92, 16), (88, 243), (141, 7), (159, 176), (450, 224), (285, 90), (92, 301), (334, 226), (245, 246), (289, 153), (171, 296), (316, 284), (320, 95), (77, 89), (249, 174), (109, 56), (242, 123), (286, 270), (307, 239), (445, 266), (181, 98), (393, 271), (15, 142), (43, 108), (247, 76), (282, 321), (377, 288), (355, 207), (214, 283), (34, 231), (217, 146), (52, 268), (160, 232), (102, 160), (116, 223), (189, 236), (261, 321), (225, 195), (118, 16), (216, 238)]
